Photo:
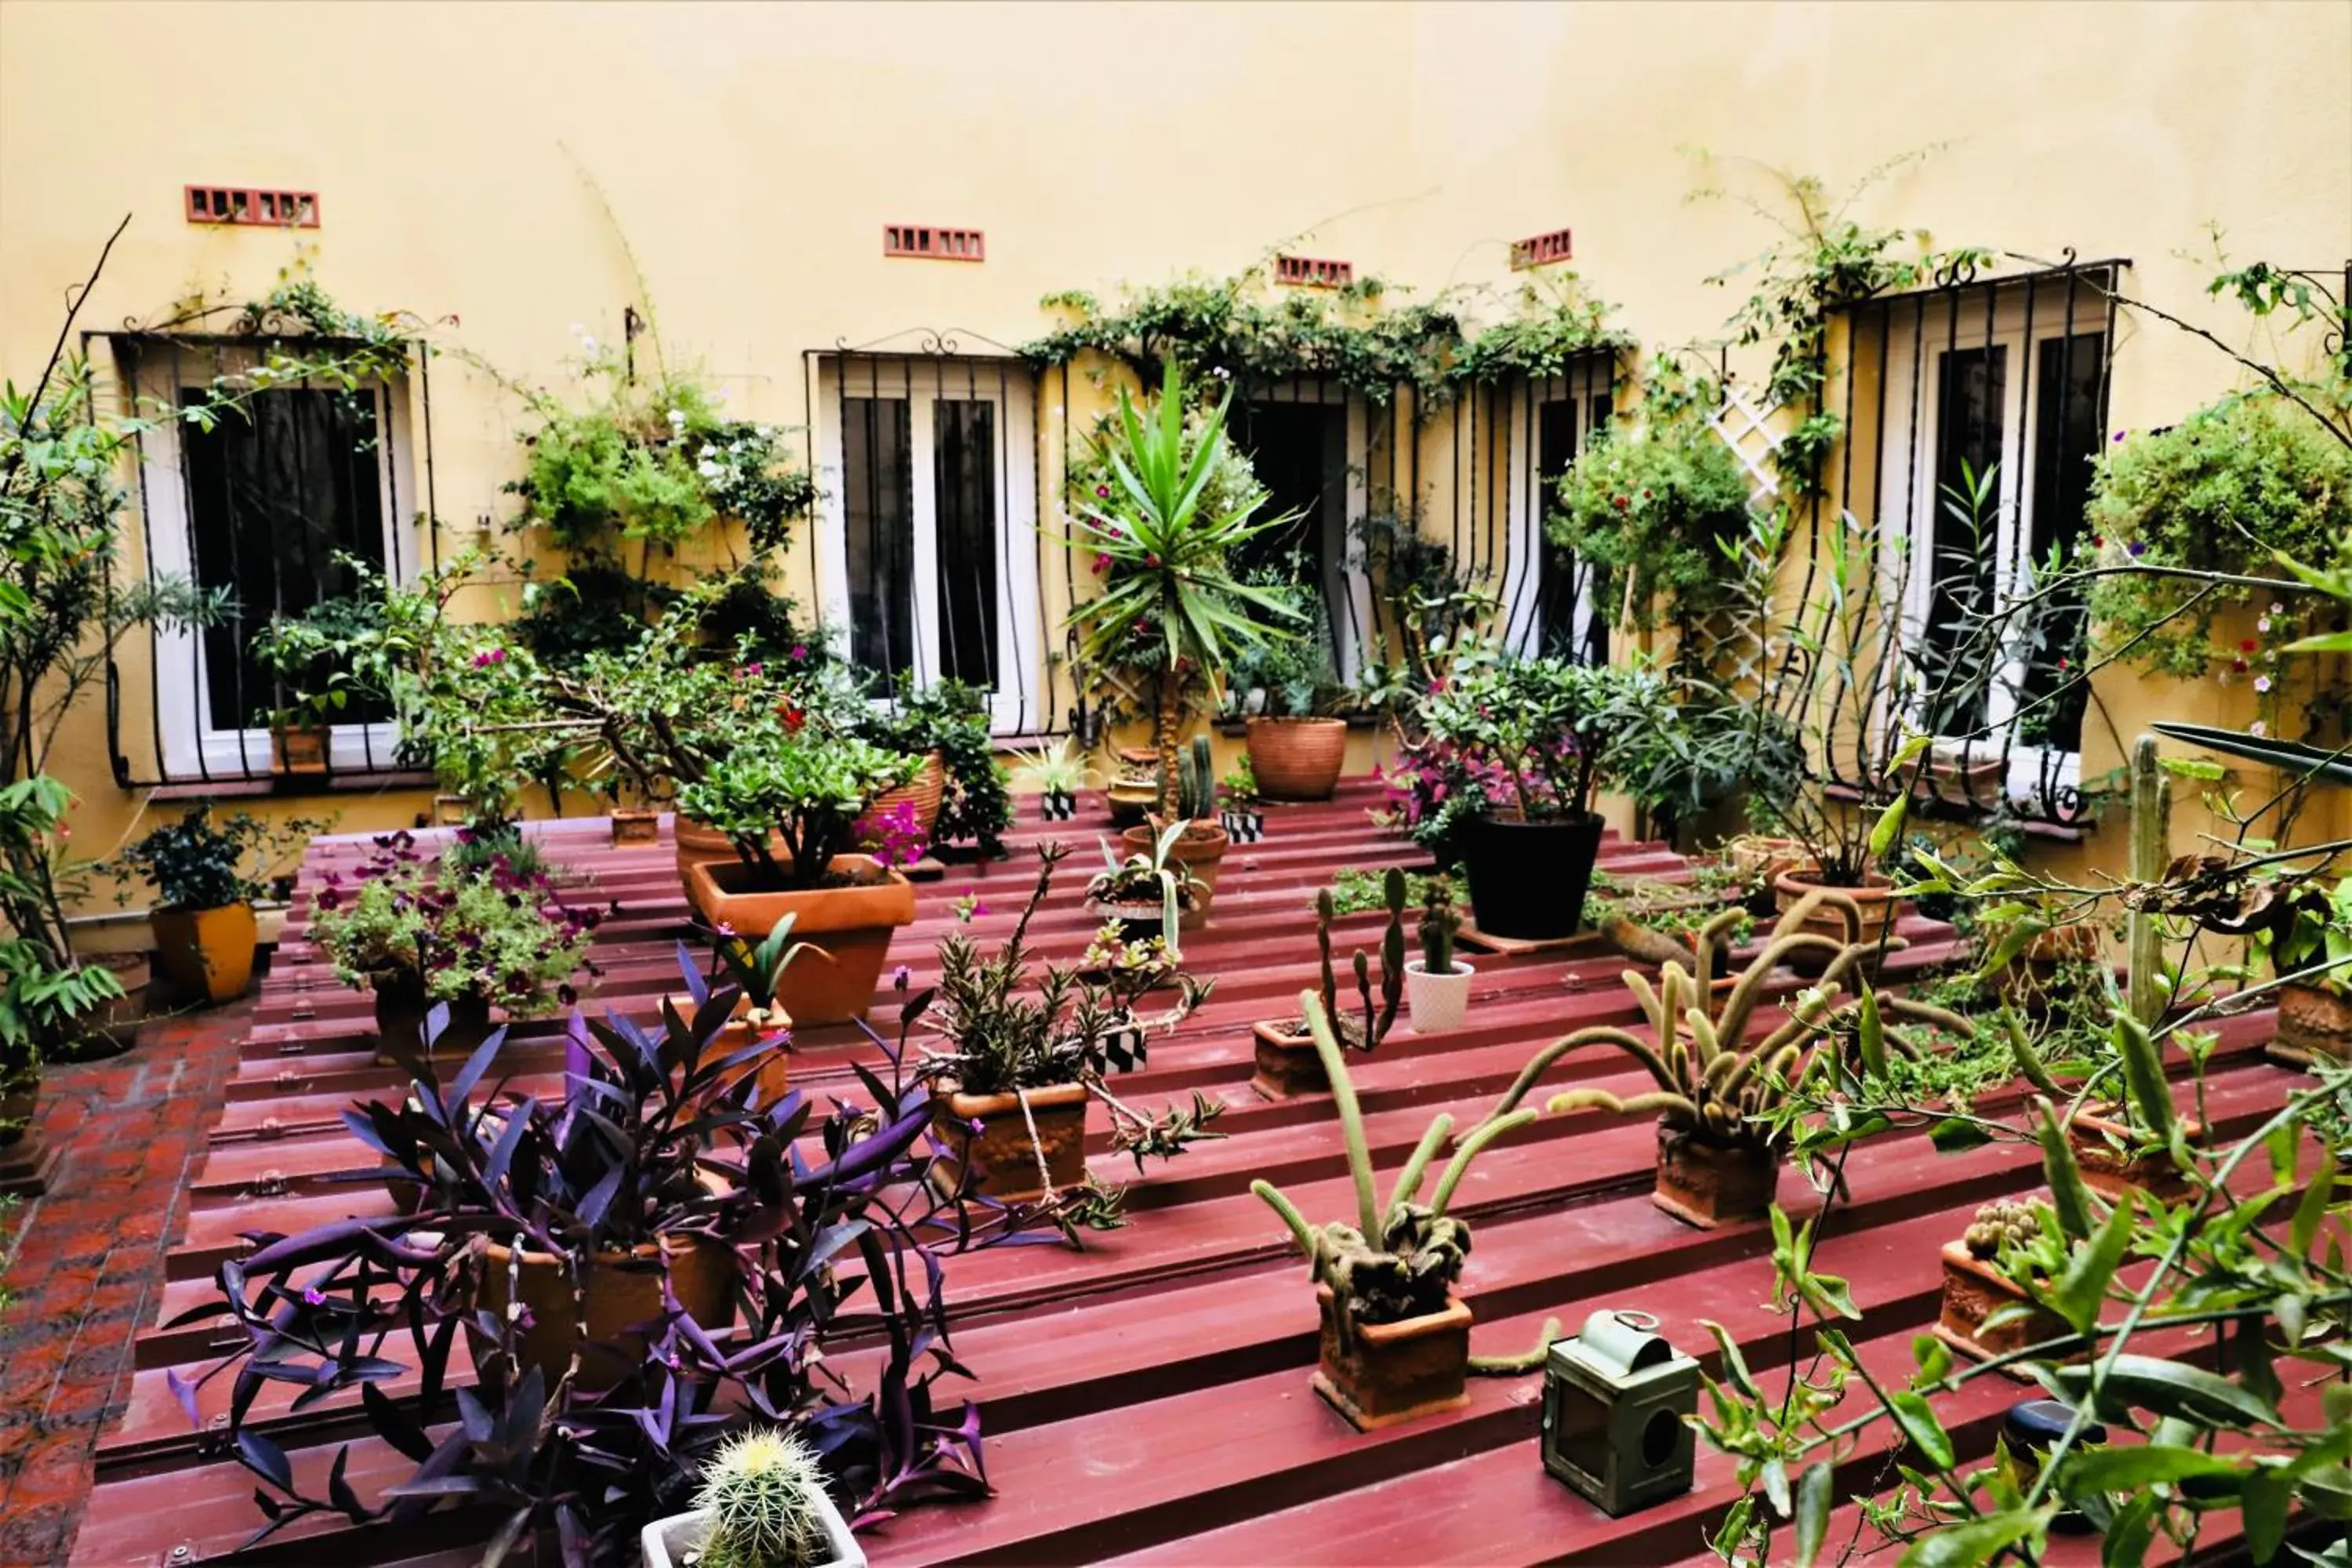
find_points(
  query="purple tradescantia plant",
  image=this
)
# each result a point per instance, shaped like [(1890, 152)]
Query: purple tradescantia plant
[(658, 1134)]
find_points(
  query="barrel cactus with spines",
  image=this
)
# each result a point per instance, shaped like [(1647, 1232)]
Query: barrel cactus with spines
[(761, 1491)]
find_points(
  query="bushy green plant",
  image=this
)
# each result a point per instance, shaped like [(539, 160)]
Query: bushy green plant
[(760, 1492), (807, 790), (1530, 738), (2310, 928), (197, 863), (952, 718), (403, 920), (1649, 509), (2220, 491), (324, 657), (44, 994)]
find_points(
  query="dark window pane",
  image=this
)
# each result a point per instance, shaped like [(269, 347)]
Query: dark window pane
[(1299, 453), (273, 496), (1557, 579), (877, 513), (2067, 439), (964, 481), (1963, 555)]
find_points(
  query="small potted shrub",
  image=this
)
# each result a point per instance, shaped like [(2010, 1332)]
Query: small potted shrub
[(1396, 1339), (1297, 749), (1437, 983), (314, 657), (803, 794), (1289, 1061), (761, 1504), (1149, 893), (1199, 850), (1020, 1061), (1243, 817), (752, 971), (1718, 1160), (1057, 774), (420, 933), (1986, 1310), (2308, 928), (959, 791), (206, 877)]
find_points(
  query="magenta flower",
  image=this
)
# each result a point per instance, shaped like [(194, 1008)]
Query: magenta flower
[(799, 651)]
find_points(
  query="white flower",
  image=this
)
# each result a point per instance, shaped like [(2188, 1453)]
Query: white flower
[(677, 418), (2262, 683), (2277, 608), (588, 343), (708, 470), (2264, 625), (577, 330)]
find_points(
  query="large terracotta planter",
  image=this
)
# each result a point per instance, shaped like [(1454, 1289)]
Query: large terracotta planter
[(1979, 783), (1974, 1290), (923, 792), (850, 926), (1199, 849), (1710, 1185), (1880, 910), (209, 951), (2113, 1173), (618, 1291), (401, 1010), (2030, 977), (302, 747), (1378, 1374), (2315, 1023), (1001, 1156), (1298, 759)]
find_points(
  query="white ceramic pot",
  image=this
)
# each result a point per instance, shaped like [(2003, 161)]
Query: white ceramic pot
[(669, 1543), (1438, 1002)]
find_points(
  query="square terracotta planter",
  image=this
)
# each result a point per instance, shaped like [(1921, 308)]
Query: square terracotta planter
[(2111, 1174), (1379, 1374), (747, 1026), (1001, 1157), (851, 928), (1287, 1064), (2314, 1024), (1710, 1185), (636, 826), (302, 747), (1974, 1290)]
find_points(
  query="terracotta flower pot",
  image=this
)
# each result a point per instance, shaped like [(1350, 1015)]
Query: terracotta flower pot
[(850, 926), (27, 1156), (401, 1010), (745, 1028), (617, 1291), (118, 1021), (2314, 1022), (1880, 910), (209, 951), (923, 792), (636, 826), (1001, 1155), (20, 1115), (1298, 759), (302, 747), (1979, 782), (1378, 1374), (2111, 1173), (451, 810), (1974, 1290), (1199, 849), (1710, 1185), (1437, 1002), (1128, 804), (1287, 1064), (699, 843)]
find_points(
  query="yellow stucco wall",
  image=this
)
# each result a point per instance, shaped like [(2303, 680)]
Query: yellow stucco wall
[(752, 156)]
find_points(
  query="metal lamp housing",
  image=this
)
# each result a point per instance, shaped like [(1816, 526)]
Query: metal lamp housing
[(1614, 1401)]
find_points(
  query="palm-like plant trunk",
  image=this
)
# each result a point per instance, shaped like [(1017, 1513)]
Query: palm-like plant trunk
[(1165, 722)]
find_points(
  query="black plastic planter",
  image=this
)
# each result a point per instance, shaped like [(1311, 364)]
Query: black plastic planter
[(1528, 879)]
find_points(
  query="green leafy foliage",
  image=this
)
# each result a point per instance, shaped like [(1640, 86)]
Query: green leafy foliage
[(807, 790), (197, 863), (1651, 510)]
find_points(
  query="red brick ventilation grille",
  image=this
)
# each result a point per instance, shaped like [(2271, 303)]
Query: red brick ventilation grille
[(934, 244), (232, 204), (1307, 272), (1541, 250)]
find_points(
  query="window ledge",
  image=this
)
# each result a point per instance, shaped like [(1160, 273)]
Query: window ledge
[(291, 786)]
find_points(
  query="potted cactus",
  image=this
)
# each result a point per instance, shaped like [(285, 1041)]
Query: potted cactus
[(763, 1504), (1437, 983), (1988, 1310), (1719, 1163), (1288, 1062), (1396, 1338), (1149, 893), (1200, 848)]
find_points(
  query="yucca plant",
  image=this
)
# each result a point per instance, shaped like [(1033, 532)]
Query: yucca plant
[(1711, 1083)]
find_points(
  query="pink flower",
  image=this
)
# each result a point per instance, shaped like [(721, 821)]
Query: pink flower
[(799, 651), (901, 976), (2258, 729)]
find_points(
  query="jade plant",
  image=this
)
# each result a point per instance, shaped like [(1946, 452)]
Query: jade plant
[(1399, 1260), (761, 1495)]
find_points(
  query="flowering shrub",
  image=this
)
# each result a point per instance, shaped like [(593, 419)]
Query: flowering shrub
[(500, 936), (895, 838), (808, 789), (1653, 505)]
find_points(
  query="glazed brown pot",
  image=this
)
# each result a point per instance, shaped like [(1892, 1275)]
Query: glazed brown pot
[(617, 1291), (850, 928), (2314, 1022), (302, 747), (1880, 910), (1974, 1290), (1199, 849), (636, 826), (923, 792), (2112, 1173), (401, 1009), (1001, 1155), (1710, 1185), (1298, 759), (206, 950), (1287, 1064), (1378, 1374), (1130, 804)]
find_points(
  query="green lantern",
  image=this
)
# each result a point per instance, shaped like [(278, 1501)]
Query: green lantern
[(1615, 1398)]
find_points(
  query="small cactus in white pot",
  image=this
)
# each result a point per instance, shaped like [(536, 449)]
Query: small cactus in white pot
[(763, 1505), (1437, 983)]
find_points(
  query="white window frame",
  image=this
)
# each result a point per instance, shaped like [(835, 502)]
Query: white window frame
[(1017, 706), (1907, 483), (1347, 584), (194, 747), (1528, 499)]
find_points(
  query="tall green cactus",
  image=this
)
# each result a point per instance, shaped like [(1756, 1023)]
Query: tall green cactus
[(1438, 923), (1196, 782), (1377, 1020)]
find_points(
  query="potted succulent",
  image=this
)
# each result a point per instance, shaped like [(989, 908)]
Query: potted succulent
[(1517, 747), (1718, 1152), (2310, 929), (1289, 1061), (1243, 817), (421, 932), (1057, 774), (803, 794), (1148, 893), (1199, 850), (1020, 1061), (566, 1273), (203, 921), (1396, 1338), (761, 1504), (1437, 983), (752, 971), (1297, 747), (1986, 1310)]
